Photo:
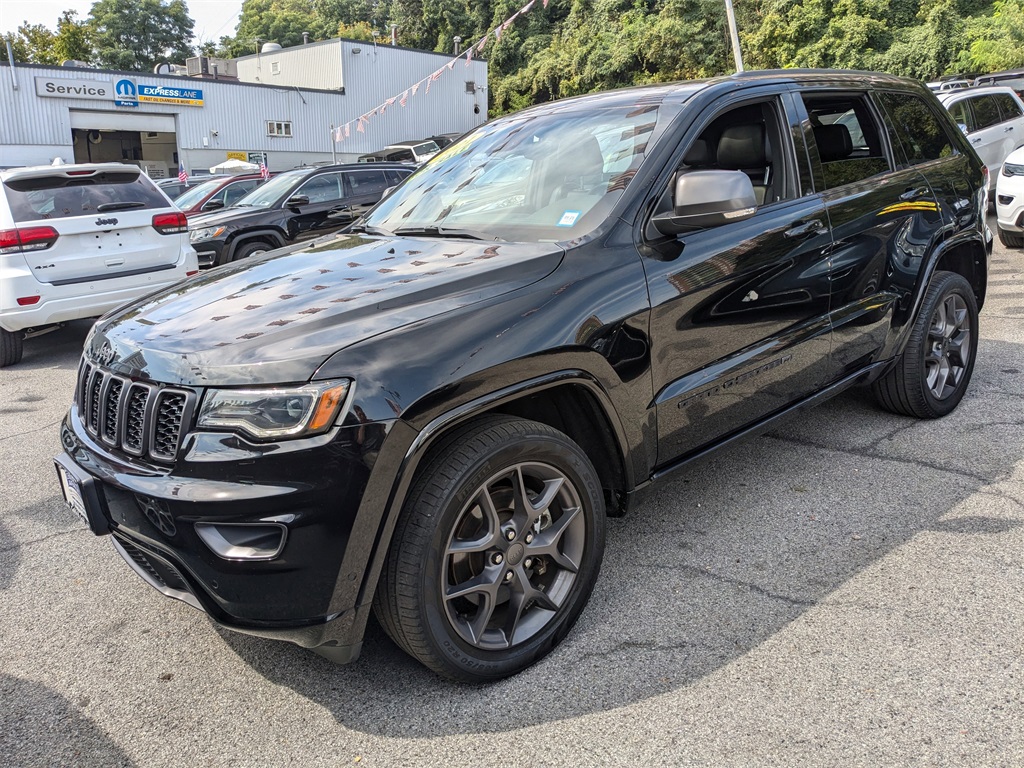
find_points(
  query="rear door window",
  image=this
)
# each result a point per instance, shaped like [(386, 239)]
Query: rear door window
[(59, 197), (366, 183), (986, 111), (919, 130)]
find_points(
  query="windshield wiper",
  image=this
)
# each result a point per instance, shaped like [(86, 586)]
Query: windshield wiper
[(467, 234), (120, 206), (371, 230)]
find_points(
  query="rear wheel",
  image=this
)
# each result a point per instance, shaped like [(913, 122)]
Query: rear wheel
[(497, 550), (11, 348), (932, 374), (1011, 239)]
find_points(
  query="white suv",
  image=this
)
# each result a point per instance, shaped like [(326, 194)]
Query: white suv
[(1010, 200), (79, 240), (992, 117)]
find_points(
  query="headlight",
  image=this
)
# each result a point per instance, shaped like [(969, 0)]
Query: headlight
[(272, 413), (1009, 169), (206, 233)]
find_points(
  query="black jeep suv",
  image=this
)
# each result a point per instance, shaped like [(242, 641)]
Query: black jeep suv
[(430, 416), (293, 207)]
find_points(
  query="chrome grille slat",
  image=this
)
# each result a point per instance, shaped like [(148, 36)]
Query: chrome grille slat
[(92, 420), (135, 419), (111, 414), (169, 411), (143, 420)]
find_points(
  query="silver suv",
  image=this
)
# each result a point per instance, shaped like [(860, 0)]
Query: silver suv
[(77, 241)]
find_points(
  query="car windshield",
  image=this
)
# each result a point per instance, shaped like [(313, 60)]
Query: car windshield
[(197, 193), (531, 178), (267, 194)]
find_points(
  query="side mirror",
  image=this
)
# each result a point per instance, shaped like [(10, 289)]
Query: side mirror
[(708, 199), (296, 201), (963, 127), (387, 191), (213, 205)]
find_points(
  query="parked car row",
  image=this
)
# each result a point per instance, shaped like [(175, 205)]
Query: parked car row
[(416, 152)]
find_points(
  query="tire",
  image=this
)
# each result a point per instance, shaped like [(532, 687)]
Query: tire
[(446, 595), (1010, 239), (931, 376), (250, 248), (11, 348)]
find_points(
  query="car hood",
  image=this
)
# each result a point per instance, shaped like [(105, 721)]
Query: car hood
[(274, 319), (225, 216)]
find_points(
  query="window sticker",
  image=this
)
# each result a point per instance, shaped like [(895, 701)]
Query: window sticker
[(568, 218)]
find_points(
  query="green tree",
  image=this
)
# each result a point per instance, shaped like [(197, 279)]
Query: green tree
[(277, 21), (72, 38), (996, 41), (135, 35)]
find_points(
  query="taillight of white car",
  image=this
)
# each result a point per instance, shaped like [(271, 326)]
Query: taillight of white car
[(170, 223), (27, 239)]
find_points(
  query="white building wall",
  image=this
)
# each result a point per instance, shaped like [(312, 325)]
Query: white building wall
[(35, 129), (316, 65)]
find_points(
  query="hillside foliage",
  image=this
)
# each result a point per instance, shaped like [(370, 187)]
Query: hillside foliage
[(577, 46)]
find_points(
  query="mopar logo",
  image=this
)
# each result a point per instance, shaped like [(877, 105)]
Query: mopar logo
[(105, 222)]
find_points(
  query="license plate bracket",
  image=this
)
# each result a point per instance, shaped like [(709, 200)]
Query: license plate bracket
[(82, 495)]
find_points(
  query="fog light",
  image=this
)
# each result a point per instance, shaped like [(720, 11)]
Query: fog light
[(244, 541)]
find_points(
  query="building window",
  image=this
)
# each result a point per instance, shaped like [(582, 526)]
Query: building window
[(275, 67), (279, 128)]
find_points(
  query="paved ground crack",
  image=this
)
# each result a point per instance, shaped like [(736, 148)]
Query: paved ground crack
[(866, 454), (30, 431), (30, 542)]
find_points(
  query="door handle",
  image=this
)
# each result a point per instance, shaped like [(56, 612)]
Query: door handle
[(976, 141), (804, 228), (1007, 129), (913, 194)]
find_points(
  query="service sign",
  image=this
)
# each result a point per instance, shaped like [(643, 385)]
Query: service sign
[(65, 88), (163, 94)]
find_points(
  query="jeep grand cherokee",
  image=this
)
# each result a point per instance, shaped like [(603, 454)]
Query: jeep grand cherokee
[(429, 417)]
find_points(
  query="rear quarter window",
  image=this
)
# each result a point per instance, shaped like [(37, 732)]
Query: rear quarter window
[(918, 129), (61, 197)]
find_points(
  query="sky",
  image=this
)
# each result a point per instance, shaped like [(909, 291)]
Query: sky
[(213, 18)]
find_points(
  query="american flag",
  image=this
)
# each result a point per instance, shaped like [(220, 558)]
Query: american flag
[(264, 171), (182, 176)]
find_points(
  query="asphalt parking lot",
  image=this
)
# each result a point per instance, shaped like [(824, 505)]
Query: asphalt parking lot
[(845, 590)]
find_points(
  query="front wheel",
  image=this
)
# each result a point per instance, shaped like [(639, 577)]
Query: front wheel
[(1010, 239), (931, 376), (496, 552)]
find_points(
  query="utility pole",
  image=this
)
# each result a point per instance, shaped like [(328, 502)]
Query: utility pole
[(734, 35)]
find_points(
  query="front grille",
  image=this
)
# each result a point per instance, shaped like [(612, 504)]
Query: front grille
[(143, 420)]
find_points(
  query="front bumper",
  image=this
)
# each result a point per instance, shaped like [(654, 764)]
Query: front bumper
[(309, 594), (209, 252)]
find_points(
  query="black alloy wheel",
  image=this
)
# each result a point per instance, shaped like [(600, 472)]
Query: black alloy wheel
[(930, 378), (496, 552)]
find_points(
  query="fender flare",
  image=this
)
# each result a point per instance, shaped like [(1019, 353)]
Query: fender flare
[(438, 426), (254, 234), (971, 237)]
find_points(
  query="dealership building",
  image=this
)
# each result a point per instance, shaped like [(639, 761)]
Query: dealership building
[(281, 105)]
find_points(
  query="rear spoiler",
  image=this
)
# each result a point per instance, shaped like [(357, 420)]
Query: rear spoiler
[(67, 171)]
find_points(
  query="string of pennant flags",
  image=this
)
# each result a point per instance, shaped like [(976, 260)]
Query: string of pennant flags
[(344, 131)]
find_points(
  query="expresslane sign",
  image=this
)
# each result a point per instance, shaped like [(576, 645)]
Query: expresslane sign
[(124, 92), (162, 94)]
